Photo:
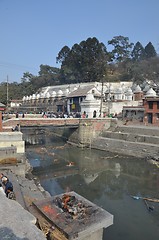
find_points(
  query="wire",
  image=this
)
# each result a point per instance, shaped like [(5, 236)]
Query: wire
[(8, 65)]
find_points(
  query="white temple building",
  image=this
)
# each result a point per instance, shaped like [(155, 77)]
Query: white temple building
[(108, 98)]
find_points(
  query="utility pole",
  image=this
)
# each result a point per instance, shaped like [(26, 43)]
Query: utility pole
[(7, 92)]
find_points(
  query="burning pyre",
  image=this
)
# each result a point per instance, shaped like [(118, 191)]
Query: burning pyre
[(74, 207)]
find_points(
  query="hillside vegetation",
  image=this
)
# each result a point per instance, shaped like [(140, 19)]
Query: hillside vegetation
[(90, 61)]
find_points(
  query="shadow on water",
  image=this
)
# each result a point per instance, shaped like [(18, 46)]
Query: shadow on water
[(107, 179)]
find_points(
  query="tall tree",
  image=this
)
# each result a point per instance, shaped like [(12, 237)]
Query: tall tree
[(138, 52), (122, 48), (150, 51), (62, 55), (84, 62)]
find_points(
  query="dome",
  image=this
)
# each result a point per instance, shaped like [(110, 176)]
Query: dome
[(59, 93), (150, 93), (33, 96), (38, 96), (66, 91), (47, 95), (24, 98), (41, 95), (89, 97), (137, 89), (53, 94)]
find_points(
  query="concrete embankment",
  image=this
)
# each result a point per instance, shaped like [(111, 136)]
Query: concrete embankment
[(138, 141)]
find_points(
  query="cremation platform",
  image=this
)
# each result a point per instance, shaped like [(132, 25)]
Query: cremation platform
[(75, 216)]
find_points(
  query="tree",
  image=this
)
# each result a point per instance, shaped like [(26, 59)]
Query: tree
[(62, 55), (84, 62), (48, 75), (150, 51), (138, 52), (122, 48), (26, 81)]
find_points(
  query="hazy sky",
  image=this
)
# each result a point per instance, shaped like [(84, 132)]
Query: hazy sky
[(32, 32)]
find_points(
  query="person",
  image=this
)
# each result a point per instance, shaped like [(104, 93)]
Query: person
[(8, 188), (16, 128), (84, 115), (1, 176), (94, 114)]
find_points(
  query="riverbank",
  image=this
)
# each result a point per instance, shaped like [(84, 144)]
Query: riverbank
[(27, 190), (18, 219)]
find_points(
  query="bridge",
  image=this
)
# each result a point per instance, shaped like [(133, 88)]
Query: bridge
[(82, 131), (39, 121)]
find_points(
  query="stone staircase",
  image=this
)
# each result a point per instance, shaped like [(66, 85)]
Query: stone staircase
[(140, 141)]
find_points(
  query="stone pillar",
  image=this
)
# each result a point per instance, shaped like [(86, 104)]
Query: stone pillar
[(0, 121)]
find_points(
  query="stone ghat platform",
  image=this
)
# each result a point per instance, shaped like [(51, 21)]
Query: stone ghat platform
[(75, 216), (34, 205), (133, 140)]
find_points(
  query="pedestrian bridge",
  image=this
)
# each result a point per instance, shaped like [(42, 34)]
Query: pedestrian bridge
[(84, 129), (28, 122)]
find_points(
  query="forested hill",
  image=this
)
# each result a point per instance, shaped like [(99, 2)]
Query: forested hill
[(90, 61)]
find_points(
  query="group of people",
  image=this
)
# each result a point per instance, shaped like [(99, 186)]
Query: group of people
[(6, 187)]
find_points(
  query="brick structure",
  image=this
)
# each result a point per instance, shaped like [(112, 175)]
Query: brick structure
[(151, 105)]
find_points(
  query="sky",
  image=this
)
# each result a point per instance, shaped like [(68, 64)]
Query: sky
[(32, 32)]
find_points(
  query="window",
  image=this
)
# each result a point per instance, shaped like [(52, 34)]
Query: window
[(157, 115), (157, 105), (150, 105)]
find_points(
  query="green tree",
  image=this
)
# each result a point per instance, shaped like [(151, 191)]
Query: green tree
[(26, 81), (47, 76), (122, 48), (138, 52), (84, 62), (62, 55), (150, 51)]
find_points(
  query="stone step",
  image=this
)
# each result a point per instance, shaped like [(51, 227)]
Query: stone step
[(131, 137), (139, 130), (138, 149)]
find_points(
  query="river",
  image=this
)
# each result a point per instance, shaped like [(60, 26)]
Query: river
[(106, 179)]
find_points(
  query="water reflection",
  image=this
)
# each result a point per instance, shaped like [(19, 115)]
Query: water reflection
[(104, 178)]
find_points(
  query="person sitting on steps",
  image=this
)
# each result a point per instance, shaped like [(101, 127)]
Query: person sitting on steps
[(8, 188)]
